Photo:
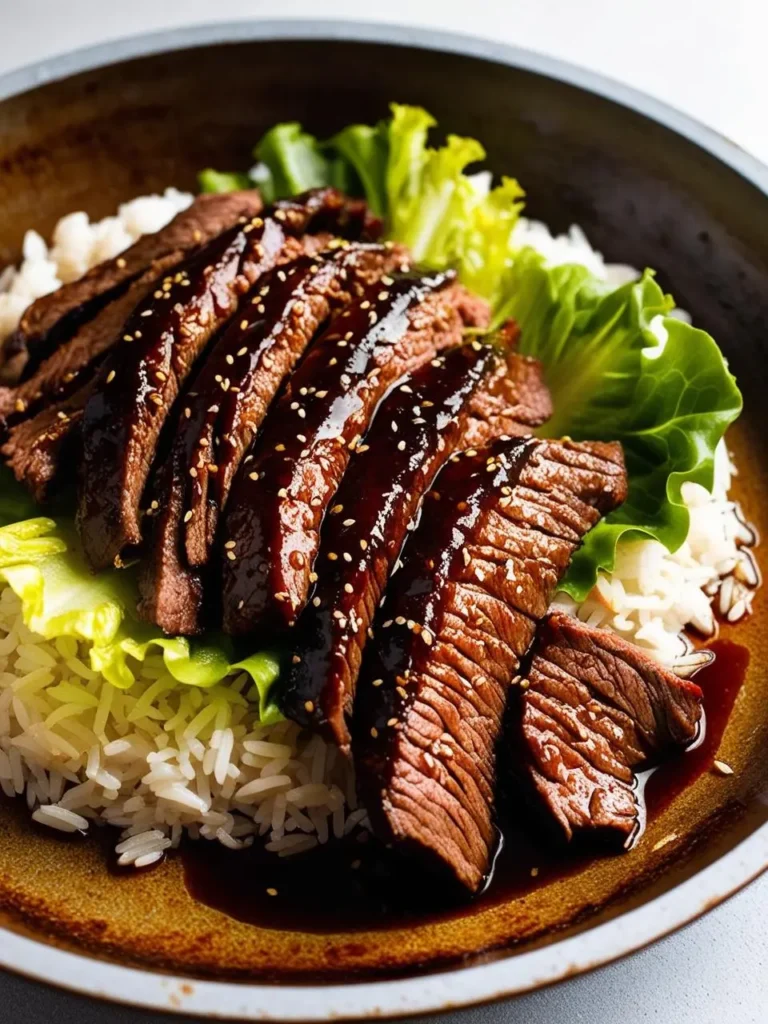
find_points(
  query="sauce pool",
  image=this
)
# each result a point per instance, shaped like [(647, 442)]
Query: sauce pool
[(356, 884)]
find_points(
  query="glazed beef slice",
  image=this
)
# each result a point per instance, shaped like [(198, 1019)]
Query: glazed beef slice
[(52, 319), (478, 574), (595, 710)]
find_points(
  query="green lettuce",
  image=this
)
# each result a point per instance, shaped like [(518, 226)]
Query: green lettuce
[(621, 369), (41, 562), (223, 181), (447, 216)]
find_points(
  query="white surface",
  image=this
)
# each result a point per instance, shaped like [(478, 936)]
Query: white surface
[(708, 59)]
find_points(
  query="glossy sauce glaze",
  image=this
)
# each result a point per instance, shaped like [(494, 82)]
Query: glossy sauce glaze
[(356, 884), (278, 500), (243, 373), (140, 379), (416, 429)]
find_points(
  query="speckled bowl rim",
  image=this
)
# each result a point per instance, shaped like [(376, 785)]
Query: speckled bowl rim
[(459, 987)]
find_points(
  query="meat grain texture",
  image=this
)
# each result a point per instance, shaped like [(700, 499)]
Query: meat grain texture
[(595, 711), (478, 574)]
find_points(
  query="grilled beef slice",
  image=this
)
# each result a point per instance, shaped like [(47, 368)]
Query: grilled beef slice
[(53, 318), (141, 378), (596, 709), (277, 504), (478, 573), (226, 405), (75, 361), (416, 429), (37, 447)]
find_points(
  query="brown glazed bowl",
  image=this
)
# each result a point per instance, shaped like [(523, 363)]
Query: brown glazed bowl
[(650, 187)]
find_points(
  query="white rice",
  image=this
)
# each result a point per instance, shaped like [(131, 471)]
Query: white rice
[(161, 758), (77, 246), (653, 595)]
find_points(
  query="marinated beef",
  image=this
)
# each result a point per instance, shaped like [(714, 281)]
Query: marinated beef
[(595, 710), (141, 378), (74, 362), (35, 448), (53, 318), (416, 429), (272, 523), (225, 408), (478, 573)]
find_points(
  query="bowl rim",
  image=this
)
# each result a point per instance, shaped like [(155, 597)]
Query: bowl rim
[(457, 987)]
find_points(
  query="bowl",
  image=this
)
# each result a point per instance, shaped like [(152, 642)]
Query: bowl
[(650, 187)]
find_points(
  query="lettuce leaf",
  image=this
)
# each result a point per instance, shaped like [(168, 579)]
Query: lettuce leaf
[(223, 181), (621, 369), (40, 561), (447, 216)]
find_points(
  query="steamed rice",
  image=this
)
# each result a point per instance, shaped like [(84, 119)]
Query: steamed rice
[(160, 758), (77, 246)]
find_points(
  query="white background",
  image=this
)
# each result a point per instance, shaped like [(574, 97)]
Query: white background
[(706, 57)]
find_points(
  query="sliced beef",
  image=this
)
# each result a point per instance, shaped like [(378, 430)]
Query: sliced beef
[(478, 573), (417, 428), (227, 403), (52, 319), (75, 361), (36, 448), (273, 519), (595, 710), (141, 378), (513, 402)]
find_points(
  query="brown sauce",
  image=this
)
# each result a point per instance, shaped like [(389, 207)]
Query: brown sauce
[(358, 885)]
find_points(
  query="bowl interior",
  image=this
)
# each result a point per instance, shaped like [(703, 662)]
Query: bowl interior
[(644, 196)]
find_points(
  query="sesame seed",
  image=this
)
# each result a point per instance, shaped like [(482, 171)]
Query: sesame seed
[(282, 493), (401, 446), (723, 768), (336, 509), (382, 296), (111, 376), (346, 556), (391, 722), (187, 516), (242, 351), (365, 305), (348, 522), (147, 312), (332, 556), (193, 472), (364, 544), (120, 262), (313, 577), (374, 732), (157, 399), (427, 637), (321, 394), (271, 892), (316, 602), (279, 447), (231, 556), (387, 624), (127, 337), (349, 588), (230, 544), (253, 476), (400, 620)]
